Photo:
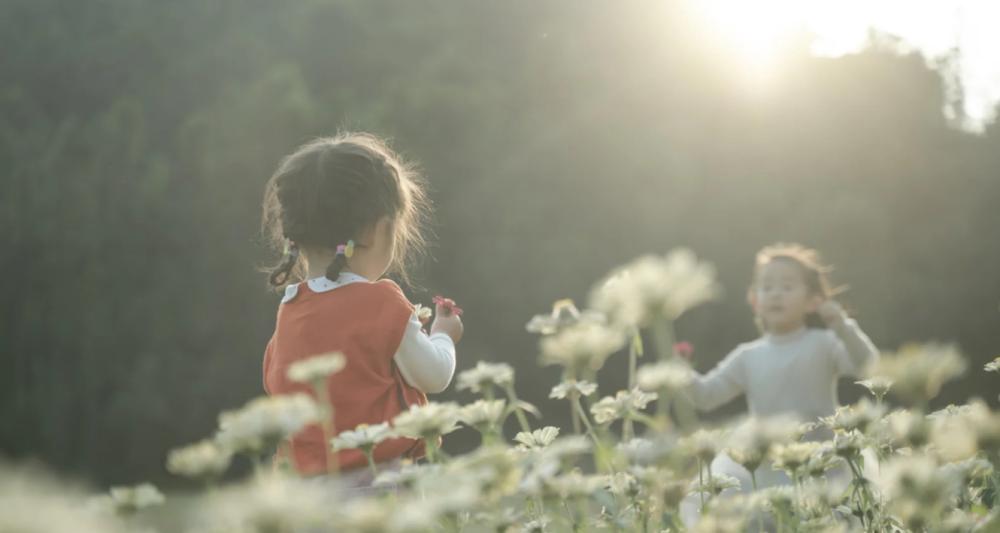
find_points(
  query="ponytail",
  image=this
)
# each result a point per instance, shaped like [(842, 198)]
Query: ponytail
[(279, 276), (340, 261)]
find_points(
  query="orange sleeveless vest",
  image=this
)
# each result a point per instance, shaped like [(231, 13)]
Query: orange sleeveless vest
[(366, 322)]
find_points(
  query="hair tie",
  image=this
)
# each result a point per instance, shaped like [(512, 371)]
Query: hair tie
[(346, 250)]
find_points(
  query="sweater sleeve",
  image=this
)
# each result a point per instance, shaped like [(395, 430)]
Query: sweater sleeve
[(722, 384), (426, 363), (852, 350)]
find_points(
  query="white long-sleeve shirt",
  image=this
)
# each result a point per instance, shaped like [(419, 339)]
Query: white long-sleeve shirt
[(793, 374), (426, 363)]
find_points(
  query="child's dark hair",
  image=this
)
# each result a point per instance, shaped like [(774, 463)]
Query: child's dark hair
[(334, 188), (814, 274)]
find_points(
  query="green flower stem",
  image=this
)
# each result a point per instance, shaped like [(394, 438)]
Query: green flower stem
[(371, 461), (701, 485), (521, 419), (429, 449), (575, 410), (326, 411), (758, 512), (663, 336)]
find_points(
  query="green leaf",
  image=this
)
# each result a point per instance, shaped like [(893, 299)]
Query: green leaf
[(637, 342), (980, 510)]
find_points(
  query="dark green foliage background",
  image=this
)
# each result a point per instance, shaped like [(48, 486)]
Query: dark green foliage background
[(560, 137)]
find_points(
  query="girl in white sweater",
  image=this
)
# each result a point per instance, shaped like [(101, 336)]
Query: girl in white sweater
[(807, 343)]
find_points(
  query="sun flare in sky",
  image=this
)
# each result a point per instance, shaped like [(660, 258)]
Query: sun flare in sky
[(960, 39)]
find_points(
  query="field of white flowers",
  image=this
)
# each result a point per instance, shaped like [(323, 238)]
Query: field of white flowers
[(904, 469)]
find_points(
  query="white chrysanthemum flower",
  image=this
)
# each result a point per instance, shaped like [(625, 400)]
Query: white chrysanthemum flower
[(907, 428), (970, 470), (584, 345), (714, 485), (793, 456), (854, 417), (204, 460), (623, 484), (749, 444), (915, 484), (993, 366), (363, 437), (536, 526), (652, 286), (540, 438), (428, 421), (34, 501), (635, 448), (609, 409), (564, 314), (317, 368), (668, 378), (849, 444), (265, 421), (271, 503), (822, 461), (481, 414), (960, 433), (485, 375), (878, 385), (919, 371), (566, 388), (703, 444), (566, 446), (129, 500), (716, 524), (423, 312), (799, 432), (408, 475)]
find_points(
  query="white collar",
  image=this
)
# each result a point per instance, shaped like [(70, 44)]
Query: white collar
[(323, 285)]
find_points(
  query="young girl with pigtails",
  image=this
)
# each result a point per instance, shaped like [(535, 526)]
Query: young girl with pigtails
[(345, 211)]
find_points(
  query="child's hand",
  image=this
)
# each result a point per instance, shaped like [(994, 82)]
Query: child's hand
[(448, 323), (832, 313)]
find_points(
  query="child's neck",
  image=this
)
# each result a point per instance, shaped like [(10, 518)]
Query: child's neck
[(785, 329)]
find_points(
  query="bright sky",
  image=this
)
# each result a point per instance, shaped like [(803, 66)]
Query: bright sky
[(960, 39)]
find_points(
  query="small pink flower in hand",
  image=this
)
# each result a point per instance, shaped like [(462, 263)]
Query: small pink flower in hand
[(684, 349), (448, 304)]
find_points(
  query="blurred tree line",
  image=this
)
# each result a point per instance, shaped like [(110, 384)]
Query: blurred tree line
[(561, 138)]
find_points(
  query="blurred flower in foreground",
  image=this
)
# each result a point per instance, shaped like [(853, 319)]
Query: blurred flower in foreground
[(656, 286), (667, 378), (316, 369), (625, 403), (428, 421), (205, 460), (272, 503), (585, 345), (564, 314), (878, 386), (33, 501), (917, 372), (265, 421), (485, 375), (482, 415), (703, 444), (568, 387), (714, 485), (126, 501), (792, 457), (363, 437), (854, 417), (750, 444), (539, 438)]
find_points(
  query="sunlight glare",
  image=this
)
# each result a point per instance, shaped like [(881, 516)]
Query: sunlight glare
[(957, 38)]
